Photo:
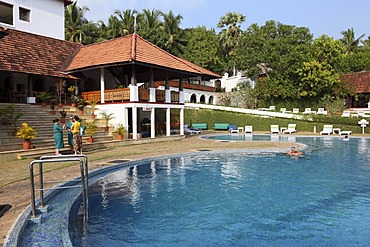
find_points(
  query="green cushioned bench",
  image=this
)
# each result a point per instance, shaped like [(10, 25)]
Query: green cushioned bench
[(221, 126), (201, 126)]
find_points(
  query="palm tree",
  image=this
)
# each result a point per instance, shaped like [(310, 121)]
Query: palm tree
[(127, 20), (366, 42), (150, 19), (231, 30), (74, 22), (349, 39), (113, 27), (174, 35)]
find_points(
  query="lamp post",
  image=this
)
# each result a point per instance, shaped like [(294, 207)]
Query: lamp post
[(363, 123)]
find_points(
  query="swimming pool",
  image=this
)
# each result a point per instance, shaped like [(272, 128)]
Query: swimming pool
[(235, 199)]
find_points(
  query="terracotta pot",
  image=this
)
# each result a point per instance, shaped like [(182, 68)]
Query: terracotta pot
[(81, 112), (27, 145), (73, 104), (43, 104), (60, 105), (52, 112), (93, 116), (62, 120), (106, 128), (90, 140), (120, 137)]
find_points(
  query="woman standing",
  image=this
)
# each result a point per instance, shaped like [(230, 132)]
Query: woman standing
[(70, 135), (58, 136), (77, 140)]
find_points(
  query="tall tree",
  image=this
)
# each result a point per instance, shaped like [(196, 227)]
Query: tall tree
[(127, 21), (74, 22), (229, 35), (203, 49), (151, 27), (174, 36), (349, 39)]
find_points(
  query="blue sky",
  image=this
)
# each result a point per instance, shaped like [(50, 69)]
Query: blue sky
[(329, 17)]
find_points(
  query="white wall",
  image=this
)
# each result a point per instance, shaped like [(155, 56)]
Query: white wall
[(230, 82), (46, 17)]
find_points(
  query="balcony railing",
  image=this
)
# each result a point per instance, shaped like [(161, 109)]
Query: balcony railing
[(123, 95)]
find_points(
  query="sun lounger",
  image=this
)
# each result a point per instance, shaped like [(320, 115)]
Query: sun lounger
[(291, 129), (248, 129), (345, 132), (274, 129), (295, 110), (232, 128), (321, 111), (202, 126), (308, 111), (221, 126), (191, 131), (327, 130), (346, 114)]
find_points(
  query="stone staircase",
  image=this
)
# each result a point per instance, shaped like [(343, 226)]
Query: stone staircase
[(41, 119)]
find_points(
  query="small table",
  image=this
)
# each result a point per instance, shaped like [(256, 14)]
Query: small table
[(240, 129), (282, 129), (336, 131)]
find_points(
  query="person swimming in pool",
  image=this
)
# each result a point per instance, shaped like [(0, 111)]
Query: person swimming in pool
[(294, 152)]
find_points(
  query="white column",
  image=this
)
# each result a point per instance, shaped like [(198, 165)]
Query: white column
[(168, 121), (168, 96), (181, 97), (181, 121), (152, 94), (134, 123), (125, 118), (134, 93), (152, 123), (102, 85)]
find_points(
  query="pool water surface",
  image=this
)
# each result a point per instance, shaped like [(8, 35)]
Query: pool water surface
[(236, 199)]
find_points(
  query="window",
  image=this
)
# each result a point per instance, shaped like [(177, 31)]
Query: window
[(6, 13), (24, 14)]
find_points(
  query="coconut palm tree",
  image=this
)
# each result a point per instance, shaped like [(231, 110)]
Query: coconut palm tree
[(127, 20), (174, 35), (230, 32), (349, 39), (74, 22)]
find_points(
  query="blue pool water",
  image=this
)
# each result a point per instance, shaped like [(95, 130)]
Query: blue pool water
[(236, 199)]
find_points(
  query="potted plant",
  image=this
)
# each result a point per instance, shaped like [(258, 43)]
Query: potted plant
[(59, 88), (91, 128), (93, 107), (120, 131), (81, 103), (43, 96), (72, 93), (107, 117), (52, 106), (63, 115), (27, 133)]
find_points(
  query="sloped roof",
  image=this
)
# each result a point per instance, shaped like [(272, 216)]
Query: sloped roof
[(130, 49), (34, 54), (359, 81)]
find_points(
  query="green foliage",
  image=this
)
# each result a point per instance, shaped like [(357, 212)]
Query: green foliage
[(120, 130), (263, 124), (26, 132), (91, 127), (44, 95), (107, 117), (63, 113), (10, 114)]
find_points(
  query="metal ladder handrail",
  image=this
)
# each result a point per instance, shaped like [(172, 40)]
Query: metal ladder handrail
[(57, 159)]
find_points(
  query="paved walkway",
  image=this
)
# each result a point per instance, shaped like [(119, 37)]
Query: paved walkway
[(14, 176)]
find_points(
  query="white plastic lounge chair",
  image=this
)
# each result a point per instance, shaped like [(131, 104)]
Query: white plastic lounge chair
[(345, 132), (322, 111), (362, 114), (327, 130), (308, 111), (248, 129), (295, 110), (191, 131), (291, 129), (274, 128), (282, 110), (346, 114), (232, 128)]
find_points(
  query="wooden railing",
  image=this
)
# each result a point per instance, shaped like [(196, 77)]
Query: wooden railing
[(160, 95), (187, 86), (123, 94)]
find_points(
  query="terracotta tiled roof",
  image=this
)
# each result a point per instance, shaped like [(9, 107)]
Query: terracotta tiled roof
[(359, 81), (33, 54), (128, 49)]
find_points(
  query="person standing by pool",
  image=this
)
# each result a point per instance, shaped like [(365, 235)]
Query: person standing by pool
[(58, 136), (77, 141), (70, 135)]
